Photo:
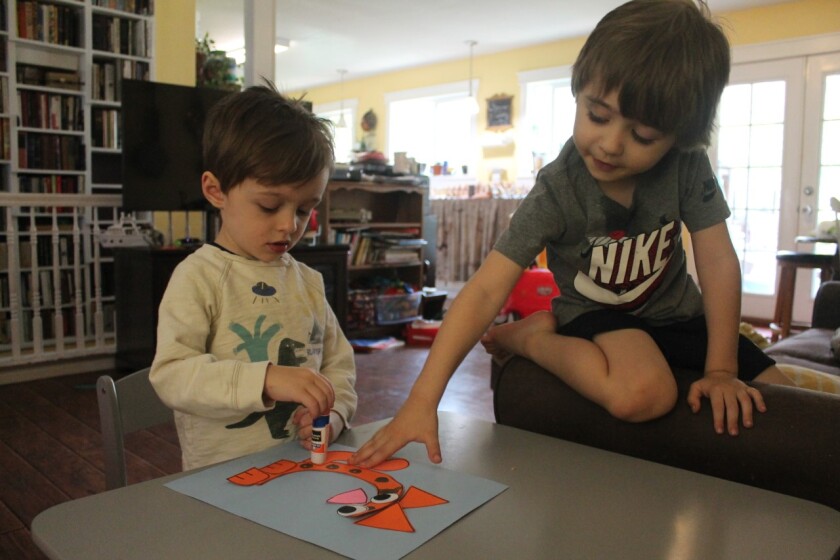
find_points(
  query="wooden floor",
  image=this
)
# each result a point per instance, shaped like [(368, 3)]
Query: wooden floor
[(50, 450)]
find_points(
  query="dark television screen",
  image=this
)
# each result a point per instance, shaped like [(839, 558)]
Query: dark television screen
[(162, 126)]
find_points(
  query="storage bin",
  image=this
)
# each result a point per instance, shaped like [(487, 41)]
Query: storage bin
[(397, 308)]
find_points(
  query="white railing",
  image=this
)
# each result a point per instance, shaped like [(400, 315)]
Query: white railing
[(56, 283)]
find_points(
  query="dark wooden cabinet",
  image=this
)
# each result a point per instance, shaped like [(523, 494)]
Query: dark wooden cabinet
[(141, 275)]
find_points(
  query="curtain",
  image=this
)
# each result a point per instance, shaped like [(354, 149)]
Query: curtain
[(467, 230)]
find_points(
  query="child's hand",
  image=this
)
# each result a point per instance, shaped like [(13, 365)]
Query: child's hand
[(301, 385), (415, 421), (729, 397)]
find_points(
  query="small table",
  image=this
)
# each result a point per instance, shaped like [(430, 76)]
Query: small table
[(564, 500), (811, 239)]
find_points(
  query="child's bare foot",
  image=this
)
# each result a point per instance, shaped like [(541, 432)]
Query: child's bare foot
[(512, 338)]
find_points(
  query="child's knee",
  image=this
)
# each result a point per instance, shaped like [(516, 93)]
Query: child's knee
[(643, 401)]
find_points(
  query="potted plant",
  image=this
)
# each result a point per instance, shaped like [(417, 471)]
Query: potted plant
[(213, 68)]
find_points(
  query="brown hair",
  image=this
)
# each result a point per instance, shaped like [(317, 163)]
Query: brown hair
[(668, 61), (261, 134)]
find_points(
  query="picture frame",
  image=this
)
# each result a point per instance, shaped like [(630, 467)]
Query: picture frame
[(500, 112)]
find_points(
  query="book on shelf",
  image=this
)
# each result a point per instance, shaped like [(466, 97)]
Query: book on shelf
[(50, 151), (37, 109), (120, 35), (57, 24), (5, 141), (398, 256), (48, 76), (63, 79)]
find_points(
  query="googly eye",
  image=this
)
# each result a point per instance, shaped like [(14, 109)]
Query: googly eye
[(350, 511), (385, 498)]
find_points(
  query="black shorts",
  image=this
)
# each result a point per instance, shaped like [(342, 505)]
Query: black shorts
[(683, 344)]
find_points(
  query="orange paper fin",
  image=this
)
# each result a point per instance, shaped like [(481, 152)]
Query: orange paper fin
[(392, 519), (416, 498)]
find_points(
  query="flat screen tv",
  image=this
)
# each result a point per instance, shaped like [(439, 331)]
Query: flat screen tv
[(162, 126)]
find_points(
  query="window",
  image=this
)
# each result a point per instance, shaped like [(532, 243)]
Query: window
[(548, 110), (750, 144), (344, 131), (434, 126)]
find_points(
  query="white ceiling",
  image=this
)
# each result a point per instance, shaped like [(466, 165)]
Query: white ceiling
[(368, 37)]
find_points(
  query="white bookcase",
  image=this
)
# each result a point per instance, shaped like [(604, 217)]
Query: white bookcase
[(61, 66)]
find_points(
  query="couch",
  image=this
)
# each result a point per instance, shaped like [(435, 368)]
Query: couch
[(811, 348), (793, 447)]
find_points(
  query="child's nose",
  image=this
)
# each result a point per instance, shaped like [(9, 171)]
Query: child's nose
[(286, 221), (612, 141)]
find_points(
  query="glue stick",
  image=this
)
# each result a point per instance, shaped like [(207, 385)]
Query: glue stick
[(320, 439)]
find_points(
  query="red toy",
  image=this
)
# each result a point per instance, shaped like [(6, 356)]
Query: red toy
[(533, 292)]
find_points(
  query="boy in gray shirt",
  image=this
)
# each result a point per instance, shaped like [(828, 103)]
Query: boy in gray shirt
[(610, 211)]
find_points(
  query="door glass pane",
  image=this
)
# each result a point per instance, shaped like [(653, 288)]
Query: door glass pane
[(749, 166), (829, 175)]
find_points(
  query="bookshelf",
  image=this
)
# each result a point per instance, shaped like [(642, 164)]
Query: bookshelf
[(383, 223), (61, 67)]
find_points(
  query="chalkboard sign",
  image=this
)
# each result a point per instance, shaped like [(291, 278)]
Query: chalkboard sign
[(500, 112)]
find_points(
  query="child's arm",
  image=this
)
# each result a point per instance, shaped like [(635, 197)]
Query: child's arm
[(185, 375), (719, 275), (465, 322)]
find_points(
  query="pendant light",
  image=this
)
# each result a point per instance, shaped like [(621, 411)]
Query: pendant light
[(341, 122), (472, 102)]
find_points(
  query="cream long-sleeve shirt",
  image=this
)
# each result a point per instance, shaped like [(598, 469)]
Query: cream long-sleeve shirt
[(222, 320)]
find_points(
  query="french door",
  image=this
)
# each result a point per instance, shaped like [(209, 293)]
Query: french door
[(777, 156)]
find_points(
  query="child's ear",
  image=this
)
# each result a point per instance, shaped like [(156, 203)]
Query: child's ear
[(212, 190)]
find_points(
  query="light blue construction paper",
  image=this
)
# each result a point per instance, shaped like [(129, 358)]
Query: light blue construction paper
[(296, 504)]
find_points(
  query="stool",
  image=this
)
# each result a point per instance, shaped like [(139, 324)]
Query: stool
[(789, 262)]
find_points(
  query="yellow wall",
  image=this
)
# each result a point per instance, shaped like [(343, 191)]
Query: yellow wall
[(496, 73), (783, 21), (175, 42)]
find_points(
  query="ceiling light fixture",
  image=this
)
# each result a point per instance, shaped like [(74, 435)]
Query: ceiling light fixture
[(472, 102), (341, 122), (281, 44)]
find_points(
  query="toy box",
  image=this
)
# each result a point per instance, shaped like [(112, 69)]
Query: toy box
[(397, 308)]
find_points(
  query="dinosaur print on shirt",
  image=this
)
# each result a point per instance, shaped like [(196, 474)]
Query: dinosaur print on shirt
[(256, 346)]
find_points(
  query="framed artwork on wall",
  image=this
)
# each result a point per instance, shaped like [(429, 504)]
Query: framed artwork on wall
[(500, 112)]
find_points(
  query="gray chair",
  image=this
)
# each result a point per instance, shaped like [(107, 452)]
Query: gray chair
[(126, 405)]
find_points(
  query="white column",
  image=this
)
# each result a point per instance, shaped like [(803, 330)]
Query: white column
[(260, 36)]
